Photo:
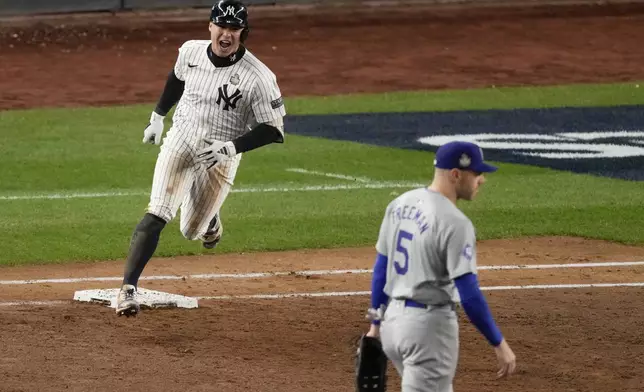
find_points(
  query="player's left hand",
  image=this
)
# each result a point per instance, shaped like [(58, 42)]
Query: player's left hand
[(215, 152), (507, 359), (154, 131)]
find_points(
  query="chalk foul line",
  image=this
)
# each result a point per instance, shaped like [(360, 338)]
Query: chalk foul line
[(251, 275), (284, 189), (32, 303), (330, 175), (351, 293), (358, 293)]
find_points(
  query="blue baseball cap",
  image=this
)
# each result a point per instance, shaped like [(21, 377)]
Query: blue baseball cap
[(462, 155)]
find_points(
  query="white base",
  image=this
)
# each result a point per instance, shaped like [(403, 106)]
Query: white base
[(146, 298)]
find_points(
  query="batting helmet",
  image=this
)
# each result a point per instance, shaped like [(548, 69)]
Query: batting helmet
[(231, 13)]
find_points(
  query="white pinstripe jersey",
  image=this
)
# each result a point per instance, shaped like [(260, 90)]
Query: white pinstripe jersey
[(222, 103)]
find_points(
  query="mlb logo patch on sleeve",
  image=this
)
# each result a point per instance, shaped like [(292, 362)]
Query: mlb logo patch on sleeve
[(277, 103)]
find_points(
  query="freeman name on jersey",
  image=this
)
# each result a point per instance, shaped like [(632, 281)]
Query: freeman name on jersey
[(407, 212)]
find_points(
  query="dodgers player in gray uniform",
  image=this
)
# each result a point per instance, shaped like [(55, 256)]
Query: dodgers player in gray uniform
[(228, 103), (426, 260)]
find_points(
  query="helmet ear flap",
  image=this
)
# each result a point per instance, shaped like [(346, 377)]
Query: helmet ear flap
[(244, 34)]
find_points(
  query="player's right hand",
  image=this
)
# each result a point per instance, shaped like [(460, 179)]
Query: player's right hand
[(153, 132), (374, 331), (507, 359)]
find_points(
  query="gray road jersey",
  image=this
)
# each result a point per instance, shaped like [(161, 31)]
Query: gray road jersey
[(429, 242), (222, 103)]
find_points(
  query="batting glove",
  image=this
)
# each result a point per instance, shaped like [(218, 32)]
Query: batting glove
[(215, 152), (153, 132)]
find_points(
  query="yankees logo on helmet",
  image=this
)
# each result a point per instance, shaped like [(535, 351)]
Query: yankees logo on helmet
[(229, 13)]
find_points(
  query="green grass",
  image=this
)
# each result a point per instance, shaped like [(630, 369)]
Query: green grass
[(100, 150), (476, 99)]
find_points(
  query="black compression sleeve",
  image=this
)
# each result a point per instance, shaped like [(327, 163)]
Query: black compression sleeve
[(171, 94), (261, 135)]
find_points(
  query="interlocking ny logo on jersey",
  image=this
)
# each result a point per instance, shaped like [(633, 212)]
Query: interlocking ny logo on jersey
[(230, 101)]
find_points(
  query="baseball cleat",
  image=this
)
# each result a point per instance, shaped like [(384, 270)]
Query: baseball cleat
[(126, 305), (212, 244), (214, 228)]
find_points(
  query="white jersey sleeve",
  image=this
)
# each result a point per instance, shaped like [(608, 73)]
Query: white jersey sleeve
[(181, 65), (461, 249), (187, 53), (267, 102)]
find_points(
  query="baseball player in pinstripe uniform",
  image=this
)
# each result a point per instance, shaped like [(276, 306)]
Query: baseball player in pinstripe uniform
[(228, 103), (425, 265)]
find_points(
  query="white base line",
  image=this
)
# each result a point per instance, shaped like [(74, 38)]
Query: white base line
[(65, 196), (563, 286), (353, 293), (571, 265), (489, 288), (32, 303), (330, 175), (251, 275), (339, 187), (310, 188), (289, 295)]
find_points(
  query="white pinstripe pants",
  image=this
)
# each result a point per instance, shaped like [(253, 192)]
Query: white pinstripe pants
[(179, 182)]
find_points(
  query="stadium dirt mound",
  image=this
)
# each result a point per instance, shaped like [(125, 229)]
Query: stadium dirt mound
[(566, 339)]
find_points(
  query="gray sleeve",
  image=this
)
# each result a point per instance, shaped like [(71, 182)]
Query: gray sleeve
[(461, 249), (382, 246)]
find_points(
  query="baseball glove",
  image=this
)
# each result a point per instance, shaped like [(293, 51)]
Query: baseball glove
[(371, 366)]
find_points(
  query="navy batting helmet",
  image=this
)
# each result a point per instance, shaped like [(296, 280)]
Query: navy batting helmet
[(231, 13)]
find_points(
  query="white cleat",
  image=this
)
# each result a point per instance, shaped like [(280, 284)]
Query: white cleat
[(126, 304)]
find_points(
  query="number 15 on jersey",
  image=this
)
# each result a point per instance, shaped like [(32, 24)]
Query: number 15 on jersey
[(401, 257)]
